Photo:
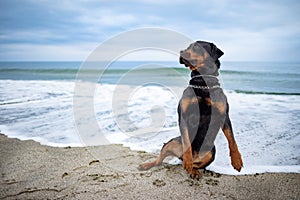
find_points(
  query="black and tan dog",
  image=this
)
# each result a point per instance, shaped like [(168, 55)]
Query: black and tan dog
[(202, 111)]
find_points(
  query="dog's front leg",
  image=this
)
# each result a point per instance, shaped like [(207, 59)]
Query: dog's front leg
[(187, 110), (187, 156), (235, 155)]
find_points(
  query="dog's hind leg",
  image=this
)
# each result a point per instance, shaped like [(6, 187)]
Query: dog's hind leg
[(171, 148)]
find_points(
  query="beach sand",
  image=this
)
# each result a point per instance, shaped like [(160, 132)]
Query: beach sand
[(33, 171)]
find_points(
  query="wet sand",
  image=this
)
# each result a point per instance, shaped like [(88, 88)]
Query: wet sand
[(33, 171)]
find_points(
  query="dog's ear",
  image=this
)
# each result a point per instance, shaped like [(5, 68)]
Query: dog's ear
[(218, 52), (214, 52)]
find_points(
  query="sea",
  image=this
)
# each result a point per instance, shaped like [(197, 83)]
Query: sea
[(134, 103)]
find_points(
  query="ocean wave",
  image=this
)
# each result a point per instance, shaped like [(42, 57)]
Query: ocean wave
[(152, 70), (266, 93), (45, 71), (261, 73)]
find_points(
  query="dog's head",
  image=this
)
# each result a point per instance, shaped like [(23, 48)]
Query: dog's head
[(202, 57)]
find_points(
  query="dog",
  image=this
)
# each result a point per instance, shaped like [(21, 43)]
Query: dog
[(202, 111)]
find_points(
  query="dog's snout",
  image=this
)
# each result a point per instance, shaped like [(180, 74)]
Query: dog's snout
[(181, 60), (185, 54)]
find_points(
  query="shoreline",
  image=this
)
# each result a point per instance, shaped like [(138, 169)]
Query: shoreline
[(30, 170)]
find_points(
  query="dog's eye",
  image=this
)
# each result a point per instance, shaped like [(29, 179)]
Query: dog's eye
[(196, 47)]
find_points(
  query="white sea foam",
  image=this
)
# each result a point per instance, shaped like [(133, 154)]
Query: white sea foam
[(266, 126)]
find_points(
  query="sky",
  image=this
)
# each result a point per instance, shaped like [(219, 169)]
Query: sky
[(69, 30)]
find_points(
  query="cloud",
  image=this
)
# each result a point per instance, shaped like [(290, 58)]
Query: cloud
[(109, 19), (251, 30), (42, 52)]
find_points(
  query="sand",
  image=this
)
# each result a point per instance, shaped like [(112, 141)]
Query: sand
[(33, 171)]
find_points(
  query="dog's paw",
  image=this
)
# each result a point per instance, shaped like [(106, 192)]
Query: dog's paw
[(195, 174), (145, 166), (236, 160), (188, 165), (187, 161)]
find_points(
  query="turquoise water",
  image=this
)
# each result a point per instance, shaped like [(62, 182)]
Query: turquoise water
[(241, 77)]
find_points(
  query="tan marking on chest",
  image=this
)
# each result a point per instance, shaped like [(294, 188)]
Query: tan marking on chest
[(219, 105), (186, 102)]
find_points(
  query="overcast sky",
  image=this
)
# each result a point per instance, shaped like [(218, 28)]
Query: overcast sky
[(246, 30)]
